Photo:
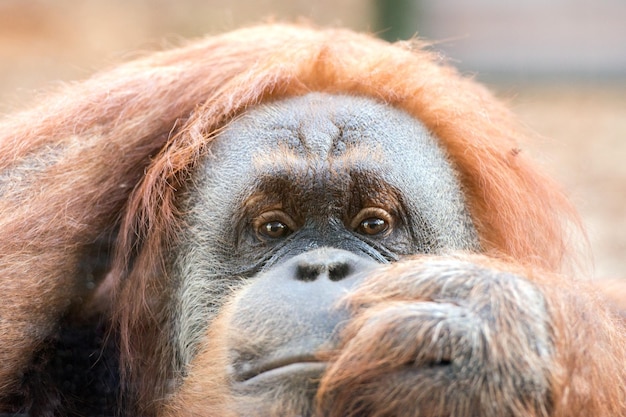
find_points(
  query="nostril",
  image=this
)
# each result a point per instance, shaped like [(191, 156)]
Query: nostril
[(308, 272), (338, 271)]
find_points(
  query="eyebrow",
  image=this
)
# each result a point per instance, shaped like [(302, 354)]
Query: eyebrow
[(359, 185)]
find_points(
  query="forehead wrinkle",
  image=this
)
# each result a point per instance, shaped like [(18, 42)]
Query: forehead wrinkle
[(318, 133), (287, 163)]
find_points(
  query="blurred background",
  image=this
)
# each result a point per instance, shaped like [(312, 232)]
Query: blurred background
[(560, 64)]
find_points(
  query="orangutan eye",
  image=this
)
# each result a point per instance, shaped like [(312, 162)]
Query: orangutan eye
[(274, 224), (372, 221), (373, 226), (274, 230)]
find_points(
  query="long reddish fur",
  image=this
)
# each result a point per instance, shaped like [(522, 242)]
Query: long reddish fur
[(124, 139), (588, 344)]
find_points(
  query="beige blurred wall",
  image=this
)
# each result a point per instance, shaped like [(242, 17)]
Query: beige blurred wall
[(530, 38)]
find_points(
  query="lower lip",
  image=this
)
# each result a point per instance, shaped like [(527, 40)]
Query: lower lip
[(308, 370)]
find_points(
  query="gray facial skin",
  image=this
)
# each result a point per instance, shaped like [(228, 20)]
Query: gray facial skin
[(287, 180)]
